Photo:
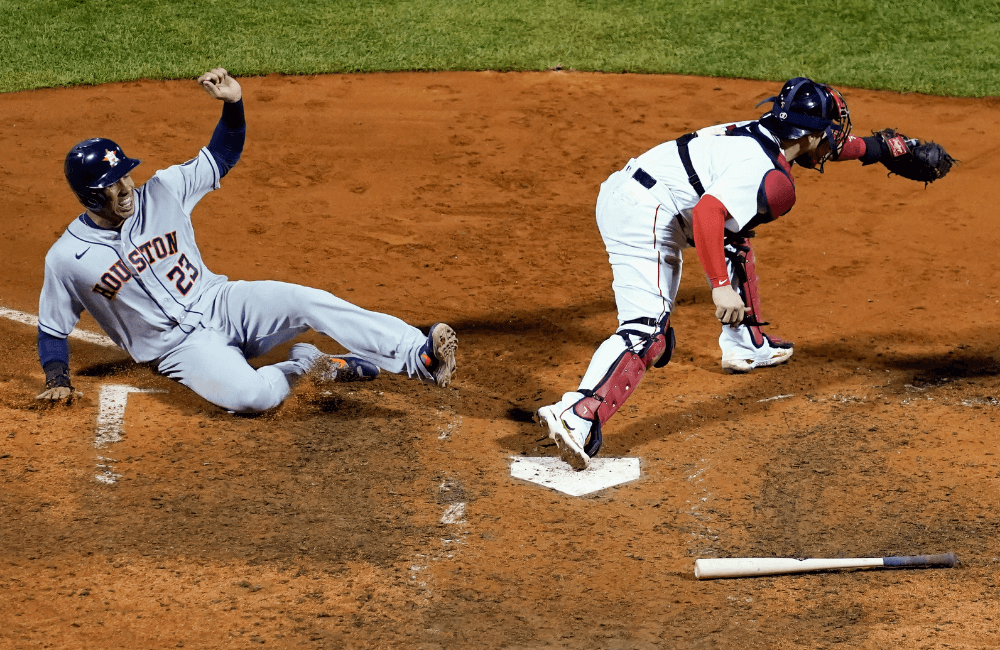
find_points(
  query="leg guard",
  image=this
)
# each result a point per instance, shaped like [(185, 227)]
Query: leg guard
[(744, 280), (603, 401)]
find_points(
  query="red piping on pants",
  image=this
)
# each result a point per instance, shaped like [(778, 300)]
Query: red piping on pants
[(659, 259)]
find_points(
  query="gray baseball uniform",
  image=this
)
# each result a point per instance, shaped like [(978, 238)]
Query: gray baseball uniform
[(149, 289)]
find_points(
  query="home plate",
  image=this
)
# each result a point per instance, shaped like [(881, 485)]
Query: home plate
[(555, 473)]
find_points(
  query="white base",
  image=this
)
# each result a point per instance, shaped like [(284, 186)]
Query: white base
[(552, 472)]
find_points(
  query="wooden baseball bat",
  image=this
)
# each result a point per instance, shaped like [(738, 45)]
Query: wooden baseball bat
[(738, 567)]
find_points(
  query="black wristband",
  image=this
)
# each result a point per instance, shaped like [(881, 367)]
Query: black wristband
[(875, 150), (56, 374)]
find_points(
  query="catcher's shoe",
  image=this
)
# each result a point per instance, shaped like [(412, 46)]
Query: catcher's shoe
[(737, 358), (568, 431), (334, 367), (438, 353)]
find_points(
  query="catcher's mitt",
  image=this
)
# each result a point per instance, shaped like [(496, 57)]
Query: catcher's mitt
[(913, 159)]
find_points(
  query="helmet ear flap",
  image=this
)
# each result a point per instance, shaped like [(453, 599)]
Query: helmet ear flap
[(92, 199)]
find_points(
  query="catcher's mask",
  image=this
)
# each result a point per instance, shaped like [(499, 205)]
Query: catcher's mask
[(93, 165), (805, 106)]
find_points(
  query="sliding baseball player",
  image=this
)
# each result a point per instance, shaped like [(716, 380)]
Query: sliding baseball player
[(131, 261)]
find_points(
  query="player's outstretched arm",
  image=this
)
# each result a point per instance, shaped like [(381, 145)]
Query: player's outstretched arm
[(910, 158), (218, 83)]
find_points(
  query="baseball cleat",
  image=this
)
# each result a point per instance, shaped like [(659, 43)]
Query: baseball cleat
[(568, 441), (438, 353), (305, 355), (338, 367), (741, 361), (740, 353), (351, 367)]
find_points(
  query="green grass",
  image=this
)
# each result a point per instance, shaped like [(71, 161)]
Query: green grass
[(932, 46)]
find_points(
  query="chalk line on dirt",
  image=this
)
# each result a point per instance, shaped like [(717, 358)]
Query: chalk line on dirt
[(451, 495), (111, 424), (698, 512), (31, 319), (111, 403)]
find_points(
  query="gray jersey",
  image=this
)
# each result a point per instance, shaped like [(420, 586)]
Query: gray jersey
[(146, 286)]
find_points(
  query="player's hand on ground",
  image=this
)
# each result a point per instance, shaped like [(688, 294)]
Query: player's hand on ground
[(60, 394), (729, 307), (220, 85)]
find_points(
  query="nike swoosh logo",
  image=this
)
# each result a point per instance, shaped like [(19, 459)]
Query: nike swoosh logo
[(79, 255)]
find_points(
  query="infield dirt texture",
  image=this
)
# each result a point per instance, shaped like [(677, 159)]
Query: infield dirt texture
[(383, 514)]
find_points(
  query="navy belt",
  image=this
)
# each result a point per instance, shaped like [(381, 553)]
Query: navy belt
[(644, 179)]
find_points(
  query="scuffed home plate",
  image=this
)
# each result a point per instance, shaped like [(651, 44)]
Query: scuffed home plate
[(555, 473)]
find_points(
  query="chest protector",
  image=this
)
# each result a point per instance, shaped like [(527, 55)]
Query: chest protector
[(776, 194)]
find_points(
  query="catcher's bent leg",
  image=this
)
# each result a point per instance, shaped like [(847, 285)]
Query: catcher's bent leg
[(575, 422)]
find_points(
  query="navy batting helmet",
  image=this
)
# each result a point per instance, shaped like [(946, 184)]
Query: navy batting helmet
[(93, 165), (805, 106)]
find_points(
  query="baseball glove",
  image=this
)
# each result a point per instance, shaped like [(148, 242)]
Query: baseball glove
[(913, 159)]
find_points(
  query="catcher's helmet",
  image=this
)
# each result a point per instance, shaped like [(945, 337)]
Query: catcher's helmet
[(93, 165), (805, 106)]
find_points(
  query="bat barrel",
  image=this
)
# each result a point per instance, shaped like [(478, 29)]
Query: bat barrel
[(707, 568)]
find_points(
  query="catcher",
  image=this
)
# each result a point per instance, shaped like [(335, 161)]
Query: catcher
[(709, 189)]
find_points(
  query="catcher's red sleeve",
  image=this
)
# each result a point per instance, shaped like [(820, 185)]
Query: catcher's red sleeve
[(853, 149), (709, 220)]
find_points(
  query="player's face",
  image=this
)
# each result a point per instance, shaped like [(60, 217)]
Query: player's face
[(821, 150), (816, 147), (120, 201)]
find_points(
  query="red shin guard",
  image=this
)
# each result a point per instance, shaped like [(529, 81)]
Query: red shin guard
[(622, 377), (745, 282)]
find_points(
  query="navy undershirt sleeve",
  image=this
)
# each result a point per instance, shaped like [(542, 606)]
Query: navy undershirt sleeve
[(52, 348), (226, 144)]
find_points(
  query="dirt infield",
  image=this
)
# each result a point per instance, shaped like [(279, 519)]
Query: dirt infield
[(384, 514)]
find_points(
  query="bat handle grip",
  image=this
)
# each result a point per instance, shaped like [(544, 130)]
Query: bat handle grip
[(946, 559)]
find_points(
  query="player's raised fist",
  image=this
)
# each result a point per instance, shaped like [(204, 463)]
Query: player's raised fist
[(220, 85)]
